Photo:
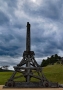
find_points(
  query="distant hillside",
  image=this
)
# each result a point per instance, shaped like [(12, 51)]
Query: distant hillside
[(51, 60)]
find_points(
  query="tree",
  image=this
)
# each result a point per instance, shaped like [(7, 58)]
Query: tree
[(50, 60), (5, 67)]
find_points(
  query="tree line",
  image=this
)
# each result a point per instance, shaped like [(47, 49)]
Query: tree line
[(50, 60)]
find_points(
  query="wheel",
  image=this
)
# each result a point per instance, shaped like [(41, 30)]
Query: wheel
[(10, 84), (46, 84)]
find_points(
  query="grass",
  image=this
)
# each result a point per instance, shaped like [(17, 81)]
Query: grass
[(4, 76), (53, 73)]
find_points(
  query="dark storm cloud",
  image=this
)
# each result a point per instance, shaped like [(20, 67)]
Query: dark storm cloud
[(11, 45), (11, 3), (46, 19), (48, 9), (11, 37), (3, 19)]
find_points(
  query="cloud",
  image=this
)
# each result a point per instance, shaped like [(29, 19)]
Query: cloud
[(13, 61), (46, 19), (3, 18)]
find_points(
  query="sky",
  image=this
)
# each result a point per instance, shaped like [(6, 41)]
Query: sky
[(46, 19)]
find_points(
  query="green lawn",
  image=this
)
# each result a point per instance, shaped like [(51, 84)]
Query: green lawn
[(4, 76), (52, 72)]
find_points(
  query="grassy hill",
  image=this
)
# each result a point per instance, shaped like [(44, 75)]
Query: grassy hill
[(52, 72)]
